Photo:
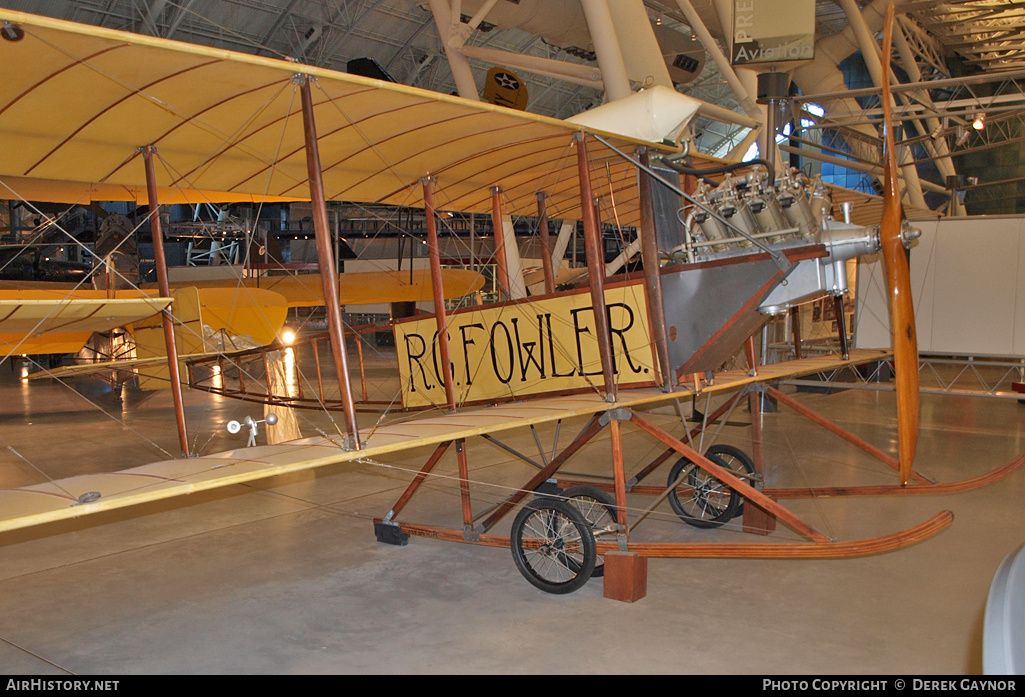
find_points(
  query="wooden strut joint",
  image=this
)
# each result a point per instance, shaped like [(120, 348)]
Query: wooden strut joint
[(326, 261), (589, 432), (843, 433), (750, 494), (595, 267), (900, 489), (434, 251), (165, 291)]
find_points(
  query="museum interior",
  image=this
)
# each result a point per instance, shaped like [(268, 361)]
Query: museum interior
[(488, 337)]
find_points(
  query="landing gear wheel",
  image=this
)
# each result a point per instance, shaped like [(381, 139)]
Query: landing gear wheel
[(599, 509), (553, 546), (700, 499), (737, 461)]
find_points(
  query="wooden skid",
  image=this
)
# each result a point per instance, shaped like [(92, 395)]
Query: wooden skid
[(794, 550), (837, 491), (898, 489), (691, 550)]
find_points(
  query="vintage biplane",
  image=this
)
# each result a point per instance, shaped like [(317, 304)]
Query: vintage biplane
[(605, 352)]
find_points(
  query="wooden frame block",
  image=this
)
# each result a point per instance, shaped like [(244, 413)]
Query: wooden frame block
[(626, 576)]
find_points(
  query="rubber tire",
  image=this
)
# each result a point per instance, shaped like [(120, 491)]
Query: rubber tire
[(697, 476), (605, 502), (563, 514), (731, 454)]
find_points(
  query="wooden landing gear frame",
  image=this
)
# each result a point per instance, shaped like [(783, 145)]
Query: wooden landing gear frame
[(614, 539)]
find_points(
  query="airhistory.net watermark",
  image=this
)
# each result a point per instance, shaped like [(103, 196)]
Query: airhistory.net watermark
[(61, 685)]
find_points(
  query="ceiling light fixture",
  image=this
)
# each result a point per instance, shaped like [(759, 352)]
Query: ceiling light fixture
[(980, 122)]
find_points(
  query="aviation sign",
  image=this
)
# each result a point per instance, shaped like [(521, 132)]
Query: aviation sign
[(772, 31)]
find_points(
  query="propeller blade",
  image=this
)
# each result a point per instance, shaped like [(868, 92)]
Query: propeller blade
[(898, 283)]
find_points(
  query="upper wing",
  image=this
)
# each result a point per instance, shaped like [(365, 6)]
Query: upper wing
[(230, 122)]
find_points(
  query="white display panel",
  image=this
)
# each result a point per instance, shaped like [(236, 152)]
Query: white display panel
[(968, 284)]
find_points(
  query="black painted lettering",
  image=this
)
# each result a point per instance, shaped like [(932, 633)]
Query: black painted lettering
[(466, 352), (551, 349), (435, 346), (629, 314), (528, 347), (509, 353), (578, 331), (411, 356)]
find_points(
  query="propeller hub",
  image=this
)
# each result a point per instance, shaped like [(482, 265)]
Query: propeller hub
[(908, 234)]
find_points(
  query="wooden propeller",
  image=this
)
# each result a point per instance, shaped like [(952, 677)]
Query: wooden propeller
[(898, 282)]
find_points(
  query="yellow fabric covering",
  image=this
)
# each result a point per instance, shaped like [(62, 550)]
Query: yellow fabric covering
[(231, 122)]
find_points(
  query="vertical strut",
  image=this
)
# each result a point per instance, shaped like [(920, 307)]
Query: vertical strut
[(619, 478), (841, 325), (464, 484), (546, 256), (165, 291), (326, 261), (501, 260), (595, 268), (434, 252), (795, 330), (652, 276)]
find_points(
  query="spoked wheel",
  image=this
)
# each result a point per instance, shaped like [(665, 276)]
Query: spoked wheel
[(599, 509), (699, 498), (553, 546), (737, 461)]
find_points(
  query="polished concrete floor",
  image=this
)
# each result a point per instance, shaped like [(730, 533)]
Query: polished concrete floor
[(285, 575)]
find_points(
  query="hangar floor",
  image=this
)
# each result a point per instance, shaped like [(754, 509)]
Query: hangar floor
[(285, 576)]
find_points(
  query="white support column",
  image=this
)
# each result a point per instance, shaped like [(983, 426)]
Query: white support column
[(870, 53), (606, 45), (517, 288), (938, 147), (461, 71), (613, 267), (566, 233), (584, 75), (747, 102), (749, 79), (641, 53)]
